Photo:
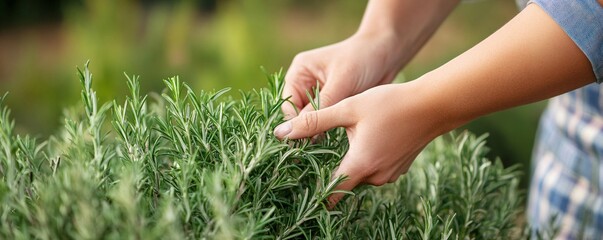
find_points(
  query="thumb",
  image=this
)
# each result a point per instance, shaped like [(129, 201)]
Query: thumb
[(311, 123)]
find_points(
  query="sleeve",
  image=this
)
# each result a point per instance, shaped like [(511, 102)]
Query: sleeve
[(582, 20)]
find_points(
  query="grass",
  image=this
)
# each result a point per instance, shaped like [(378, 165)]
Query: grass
[(186, 164)]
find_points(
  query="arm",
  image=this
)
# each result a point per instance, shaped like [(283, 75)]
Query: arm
[(391, 33), (529, 59)]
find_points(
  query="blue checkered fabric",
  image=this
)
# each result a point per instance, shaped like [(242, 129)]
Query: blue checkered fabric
[(565, 192)]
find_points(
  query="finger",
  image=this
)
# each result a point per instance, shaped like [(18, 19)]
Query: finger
[(312, 123), (349, 168), (298, 80), (328, 96), (293, 92), (293, 104)]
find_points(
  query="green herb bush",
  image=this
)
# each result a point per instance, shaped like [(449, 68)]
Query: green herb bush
[(187, 165)]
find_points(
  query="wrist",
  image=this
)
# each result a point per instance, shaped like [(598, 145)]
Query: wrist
[(441, 109), (379, 27), (386, 37), (384, 43)]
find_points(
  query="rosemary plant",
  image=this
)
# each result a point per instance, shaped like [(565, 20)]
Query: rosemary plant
[(199, 165)]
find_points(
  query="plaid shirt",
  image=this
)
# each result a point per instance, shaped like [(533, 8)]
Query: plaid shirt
[(567, 179)]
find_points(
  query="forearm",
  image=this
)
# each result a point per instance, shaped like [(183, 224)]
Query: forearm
[(527, 60), (408, 23)]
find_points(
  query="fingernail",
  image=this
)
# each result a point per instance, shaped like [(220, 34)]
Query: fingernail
[(282, 130)]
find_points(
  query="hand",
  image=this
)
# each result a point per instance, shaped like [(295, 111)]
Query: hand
[(387, 127), (342, 70)]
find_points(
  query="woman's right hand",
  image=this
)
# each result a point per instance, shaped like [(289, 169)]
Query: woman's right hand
[(343, 69), (387, 126)]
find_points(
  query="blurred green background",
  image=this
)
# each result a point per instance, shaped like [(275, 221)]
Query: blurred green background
[(210, 45)]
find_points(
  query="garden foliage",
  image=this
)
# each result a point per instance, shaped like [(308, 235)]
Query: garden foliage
[(189, 164)]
